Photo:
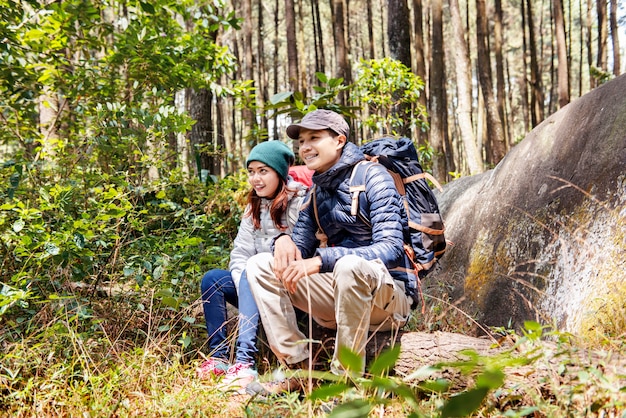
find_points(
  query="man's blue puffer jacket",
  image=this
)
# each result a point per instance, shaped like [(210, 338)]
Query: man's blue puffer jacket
[(348, 234)]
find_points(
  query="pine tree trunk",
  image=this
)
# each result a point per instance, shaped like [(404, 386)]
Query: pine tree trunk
[(399, 38), (500, 85), (341, 50), (602, 34), (438, 111), (463, 71), (247, 113), (495, 137), (561, 46), (615, 38), (292, 46), (536, 95)]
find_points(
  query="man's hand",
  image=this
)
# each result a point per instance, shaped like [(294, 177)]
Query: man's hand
[(285, 251), (298, 269)]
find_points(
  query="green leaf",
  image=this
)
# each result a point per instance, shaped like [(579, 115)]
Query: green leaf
[(280, 97), (385, 361), (321, 77), (158, 272), (51, 248), (18, 225), (349, 359), (328, 391), (357, 408), (465, 403), (79, 240), (171, 302), (147, 7), (491, 379)]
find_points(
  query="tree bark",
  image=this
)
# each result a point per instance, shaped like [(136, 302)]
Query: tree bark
[(554, 366), (437, 99), (262, 74), (292, 46), (615, 38), (320, 63), (420, 60), (495, 137), (561, 46), (500, 85), (523, 81), (463, 71), (399, 38), (201, 134), (536, 95), (247, 112), (341, 49), (602, 34), (370, 29)]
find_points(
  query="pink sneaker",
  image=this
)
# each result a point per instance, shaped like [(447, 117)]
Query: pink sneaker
[(212, 367), (239, 376)]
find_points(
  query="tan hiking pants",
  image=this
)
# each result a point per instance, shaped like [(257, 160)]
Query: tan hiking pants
[(357, 297)]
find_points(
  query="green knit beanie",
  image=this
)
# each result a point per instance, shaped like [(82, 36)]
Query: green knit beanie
[(274, 154)]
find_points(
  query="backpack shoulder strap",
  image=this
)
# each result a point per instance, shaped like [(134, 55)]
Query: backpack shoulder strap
[(320, 234), (357, 185)]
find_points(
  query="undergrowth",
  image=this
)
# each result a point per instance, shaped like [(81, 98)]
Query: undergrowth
[(136, 357)]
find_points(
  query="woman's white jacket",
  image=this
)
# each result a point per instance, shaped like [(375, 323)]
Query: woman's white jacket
[(250, 241)]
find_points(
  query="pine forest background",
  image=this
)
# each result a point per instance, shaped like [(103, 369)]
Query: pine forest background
[(124, 123)]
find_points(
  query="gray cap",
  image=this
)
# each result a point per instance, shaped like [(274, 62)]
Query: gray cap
[(318, 120)]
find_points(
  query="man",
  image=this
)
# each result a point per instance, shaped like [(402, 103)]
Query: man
[(360, 278)]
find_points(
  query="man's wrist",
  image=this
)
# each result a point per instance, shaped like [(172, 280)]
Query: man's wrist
[(276, 238)]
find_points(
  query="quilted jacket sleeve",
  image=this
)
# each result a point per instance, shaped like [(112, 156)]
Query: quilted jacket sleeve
[(304, 230)]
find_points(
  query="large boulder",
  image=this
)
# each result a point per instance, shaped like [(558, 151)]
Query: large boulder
[(543, 235)]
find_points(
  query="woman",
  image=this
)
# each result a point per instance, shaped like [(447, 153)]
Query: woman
[(273, 206)]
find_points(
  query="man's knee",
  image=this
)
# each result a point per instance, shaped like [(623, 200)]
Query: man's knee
[(348, 264), (259, 264), (357, 269)]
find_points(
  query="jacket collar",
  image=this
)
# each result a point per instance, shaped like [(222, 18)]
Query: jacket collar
[(337, 173)]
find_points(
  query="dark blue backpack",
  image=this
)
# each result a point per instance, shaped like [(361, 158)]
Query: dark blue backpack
[(424, 242)]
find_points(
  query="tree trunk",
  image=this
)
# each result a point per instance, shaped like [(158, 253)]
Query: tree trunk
[(523, 81), (275, 61), (536, 96), (292, 46), (201, 134), (320, 60), (561, 46), (370, 29), (553, 366), (262, 95), (495, 137), (341, 52), (399, 38), (398, 35), (463, 71), (420, 60), (500, 86), (247, 112), (602, 34), (615, 38), (49, 112), (438, 113)]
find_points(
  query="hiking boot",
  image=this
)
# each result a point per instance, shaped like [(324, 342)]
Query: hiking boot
[(212, 367), (239, 376)]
